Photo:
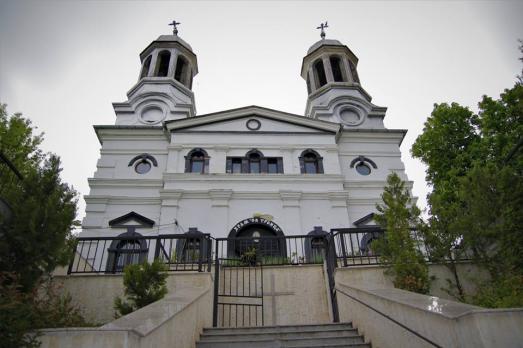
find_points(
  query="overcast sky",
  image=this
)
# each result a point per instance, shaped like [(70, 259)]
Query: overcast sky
[(62, 63)]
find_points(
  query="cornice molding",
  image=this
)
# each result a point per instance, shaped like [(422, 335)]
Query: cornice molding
[(249, 111)]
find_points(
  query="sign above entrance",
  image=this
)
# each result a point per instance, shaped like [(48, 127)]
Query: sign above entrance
[(257, 221)]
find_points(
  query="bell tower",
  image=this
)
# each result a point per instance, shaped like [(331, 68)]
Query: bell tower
[(333, 86), (164, 88)]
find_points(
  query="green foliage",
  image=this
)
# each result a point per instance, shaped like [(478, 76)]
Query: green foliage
[(38, 236), (475, 166), (144, 284), (505, 293), (17, 314), (22, 313), (398, 247), (248, 257), (34, 238)]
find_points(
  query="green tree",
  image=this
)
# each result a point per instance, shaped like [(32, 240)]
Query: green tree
[(143, 284), (399, 247), (38, 236), (35, 231), (474, 166)]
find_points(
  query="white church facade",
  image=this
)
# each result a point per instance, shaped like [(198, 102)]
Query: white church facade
[(262, 219), (244, 172)]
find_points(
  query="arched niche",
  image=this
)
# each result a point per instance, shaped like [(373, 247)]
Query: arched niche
[(194, 248), (265, 236)]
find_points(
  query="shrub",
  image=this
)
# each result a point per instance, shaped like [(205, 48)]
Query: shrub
[(144, 284), (398, 247)]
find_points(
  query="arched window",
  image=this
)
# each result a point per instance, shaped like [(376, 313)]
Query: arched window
[(311, 162), (337, 71), (254, 160), (194, 249), (363, 165), (197, 161), (180, 73), (130, 249), (162, 65), (145, 67), (321, 78), (316, 245), (354, 72), (143, 163)]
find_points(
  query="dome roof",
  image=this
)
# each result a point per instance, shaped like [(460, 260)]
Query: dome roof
[(174, 38), (324, 42)]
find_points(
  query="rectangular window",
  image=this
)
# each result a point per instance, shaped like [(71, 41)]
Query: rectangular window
[(272, 165), (310, 168), (255, 167), (197, 167), (236, 165)]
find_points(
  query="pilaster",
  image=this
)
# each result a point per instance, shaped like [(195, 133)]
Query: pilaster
[(291, 206)]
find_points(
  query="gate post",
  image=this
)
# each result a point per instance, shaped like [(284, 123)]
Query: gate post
[(331, 264), (216, 285)]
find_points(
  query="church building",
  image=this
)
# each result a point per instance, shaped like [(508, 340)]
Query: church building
[(246, 172)]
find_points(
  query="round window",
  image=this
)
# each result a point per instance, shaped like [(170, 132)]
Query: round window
[(253, 124), (142, 167), (350, 116), (362, 168), (152, 114)]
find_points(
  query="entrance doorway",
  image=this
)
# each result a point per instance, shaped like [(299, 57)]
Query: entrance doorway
[(256, 235)]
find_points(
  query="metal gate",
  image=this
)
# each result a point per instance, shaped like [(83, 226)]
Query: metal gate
[(238, 291)]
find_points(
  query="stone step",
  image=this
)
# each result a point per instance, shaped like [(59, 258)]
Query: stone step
[(303, 341), (277, 334), (279, 328)]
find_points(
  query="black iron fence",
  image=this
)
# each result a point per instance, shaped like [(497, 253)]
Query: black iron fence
[(179, 252), (284, 250), (184, 252), (354, 247)]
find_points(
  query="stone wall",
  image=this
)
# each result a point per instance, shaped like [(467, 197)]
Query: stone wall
[(372, 277), (398, 318), (95, 293)]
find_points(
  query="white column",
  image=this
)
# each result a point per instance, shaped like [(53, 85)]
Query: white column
[(172, 63), (218, 161), (328, 69), (169, 211), (152, 67), (173, 159), (219, 215), (346, 66), (312, 78), (339, 209), (290, 201)]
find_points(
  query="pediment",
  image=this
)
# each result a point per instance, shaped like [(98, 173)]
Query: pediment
[(131, 219), (253, 119), (366, 221)]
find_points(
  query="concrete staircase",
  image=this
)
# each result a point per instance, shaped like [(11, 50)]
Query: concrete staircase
[(322, 335)]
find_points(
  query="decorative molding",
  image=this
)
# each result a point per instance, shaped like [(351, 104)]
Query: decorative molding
[(250, 111), (220, 198), (290, 198)]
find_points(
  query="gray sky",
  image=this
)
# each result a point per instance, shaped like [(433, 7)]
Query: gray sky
[(62, 63)]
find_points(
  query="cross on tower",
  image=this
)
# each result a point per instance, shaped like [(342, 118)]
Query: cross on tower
[(174, 24), (322, 27)]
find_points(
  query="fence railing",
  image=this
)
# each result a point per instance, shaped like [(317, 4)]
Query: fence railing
[(347, 247), (179, 252), (354, 247), (284, 250)]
